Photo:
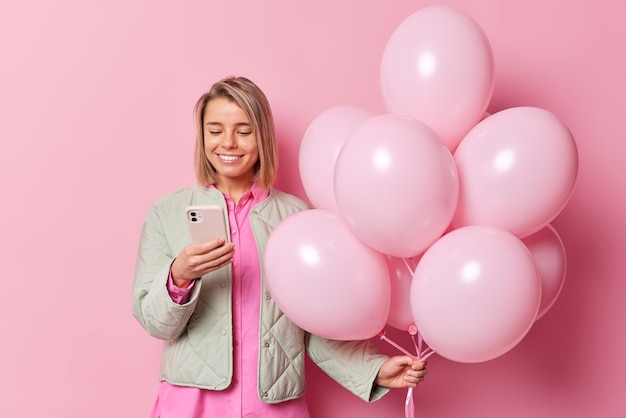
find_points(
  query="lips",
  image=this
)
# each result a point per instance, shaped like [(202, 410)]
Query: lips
[(228, 158)]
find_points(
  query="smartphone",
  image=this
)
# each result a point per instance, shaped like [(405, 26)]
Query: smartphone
[(206, 223)]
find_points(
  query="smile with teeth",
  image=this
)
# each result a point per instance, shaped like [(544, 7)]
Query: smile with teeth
[(228, 158)]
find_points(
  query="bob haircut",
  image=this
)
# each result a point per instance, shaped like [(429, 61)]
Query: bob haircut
[(255, 105)]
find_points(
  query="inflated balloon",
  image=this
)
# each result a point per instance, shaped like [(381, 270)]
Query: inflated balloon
[(396, 185), (438, 67), (324, 279), (400, 276), (517, 170), (475, 293), (550, 259), (319, 149)]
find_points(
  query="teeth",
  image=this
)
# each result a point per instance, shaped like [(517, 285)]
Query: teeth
[(228, 157)]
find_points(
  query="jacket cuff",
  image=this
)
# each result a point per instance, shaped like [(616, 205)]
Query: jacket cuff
[(377, 392)]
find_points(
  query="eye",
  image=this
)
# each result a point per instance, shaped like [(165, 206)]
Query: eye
[(215, 133), (244, 133)]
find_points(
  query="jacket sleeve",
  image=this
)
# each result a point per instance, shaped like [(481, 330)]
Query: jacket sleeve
[(153, 307), (353, 364)]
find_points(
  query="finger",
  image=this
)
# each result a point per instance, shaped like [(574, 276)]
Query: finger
[(209, 246), (215, 263), (402, 361), (412, 380), (215, 254), (414, 377), (227, 249), (419, 365)]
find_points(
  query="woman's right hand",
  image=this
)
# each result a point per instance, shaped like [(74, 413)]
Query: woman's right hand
[(196, 260)]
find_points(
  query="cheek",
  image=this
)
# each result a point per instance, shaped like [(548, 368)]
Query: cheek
[(253, 148), (209, 145), (208, 153), (256, 157)]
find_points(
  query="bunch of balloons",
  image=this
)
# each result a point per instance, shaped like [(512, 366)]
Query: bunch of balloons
[(435, 214)]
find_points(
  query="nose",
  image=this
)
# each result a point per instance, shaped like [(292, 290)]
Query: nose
[(229, 140)]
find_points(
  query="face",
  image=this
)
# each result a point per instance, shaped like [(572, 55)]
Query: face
[(230, 142)]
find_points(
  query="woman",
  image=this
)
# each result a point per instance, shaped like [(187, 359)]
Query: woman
[(228, 349)]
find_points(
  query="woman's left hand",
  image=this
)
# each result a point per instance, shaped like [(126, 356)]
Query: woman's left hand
[(401, 372)]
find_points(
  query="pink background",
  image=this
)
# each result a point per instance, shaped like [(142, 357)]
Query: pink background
[(95, 124)]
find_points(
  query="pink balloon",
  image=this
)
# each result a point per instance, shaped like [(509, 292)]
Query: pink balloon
[(319, 149), (550, 259), (401, 275), (396, 185), (517, 170), (438, 67), (324, 279), (475, 294)]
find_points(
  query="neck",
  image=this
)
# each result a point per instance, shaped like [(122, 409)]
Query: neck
[(234, 189)]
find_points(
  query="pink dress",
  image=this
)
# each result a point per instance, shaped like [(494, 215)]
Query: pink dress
[(241, 398)]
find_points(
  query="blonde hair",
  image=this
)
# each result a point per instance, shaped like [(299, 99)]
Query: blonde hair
[(255, 105)]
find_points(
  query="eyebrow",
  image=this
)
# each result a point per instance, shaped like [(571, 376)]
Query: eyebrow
[(220, 124)]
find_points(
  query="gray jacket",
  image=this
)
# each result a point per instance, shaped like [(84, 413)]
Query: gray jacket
[(198, 335)]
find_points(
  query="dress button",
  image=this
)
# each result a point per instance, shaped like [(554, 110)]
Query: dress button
[(265, 394), (223, 284), (268, 296), (267, 344)]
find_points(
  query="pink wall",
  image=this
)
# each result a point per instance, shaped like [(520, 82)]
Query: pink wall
[(95, 105)]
